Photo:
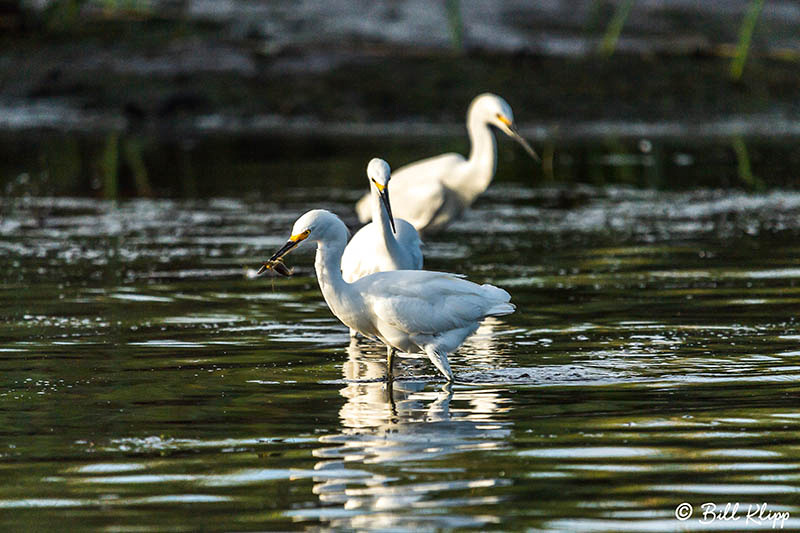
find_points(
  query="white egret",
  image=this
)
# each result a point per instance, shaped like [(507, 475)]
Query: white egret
[(407, 310), (432, 192), (385, 243)]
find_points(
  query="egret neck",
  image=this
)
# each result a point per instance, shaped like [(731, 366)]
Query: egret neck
[(328, 264), (479, 169)]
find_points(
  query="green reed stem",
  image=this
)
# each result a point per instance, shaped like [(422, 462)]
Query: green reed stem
[(456, 23), (745, 36), (614, 29)]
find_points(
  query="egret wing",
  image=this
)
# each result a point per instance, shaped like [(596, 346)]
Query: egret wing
[(422, 205), (353, 264), (432, 168), (423, 302), (409, 240)]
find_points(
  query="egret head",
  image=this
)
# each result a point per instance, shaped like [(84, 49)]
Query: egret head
[(316, 225), (493, 110), (379, 174)]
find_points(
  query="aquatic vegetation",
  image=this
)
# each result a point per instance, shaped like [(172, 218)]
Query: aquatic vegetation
[(745, 36)]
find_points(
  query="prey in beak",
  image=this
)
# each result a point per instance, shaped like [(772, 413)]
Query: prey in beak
[(383, 191), (275, 262), (511, 131), (275, 266)]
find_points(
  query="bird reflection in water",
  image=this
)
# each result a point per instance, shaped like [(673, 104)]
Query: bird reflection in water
[(407, 425)]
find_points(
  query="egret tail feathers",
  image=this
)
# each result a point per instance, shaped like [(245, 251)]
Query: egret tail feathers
[(500, 301), (501, 309), (439, 360)]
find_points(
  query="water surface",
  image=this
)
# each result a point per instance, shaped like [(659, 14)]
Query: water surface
[(150, 384)]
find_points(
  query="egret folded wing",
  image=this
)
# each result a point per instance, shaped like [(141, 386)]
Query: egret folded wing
[(422, 302)]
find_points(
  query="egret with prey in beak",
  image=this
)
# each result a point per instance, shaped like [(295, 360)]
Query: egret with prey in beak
[(432, 192), (407, 310)]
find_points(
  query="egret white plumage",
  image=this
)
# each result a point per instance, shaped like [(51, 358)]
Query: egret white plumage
[(385, 243), (432, 192), (407, 310)]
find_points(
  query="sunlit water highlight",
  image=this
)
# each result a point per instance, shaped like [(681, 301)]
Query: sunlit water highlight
[(149, 384)]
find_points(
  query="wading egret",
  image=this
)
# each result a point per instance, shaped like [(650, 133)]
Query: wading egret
[(407, 310), (432, 192)]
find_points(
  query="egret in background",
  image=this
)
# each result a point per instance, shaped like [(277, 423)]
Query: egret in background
[(407, 310), (432, 192), (385, 243)]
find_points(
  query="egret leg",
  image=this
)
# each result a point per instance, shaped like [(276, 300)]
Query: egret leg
[(390, 394), (390, 360), (353, 333)]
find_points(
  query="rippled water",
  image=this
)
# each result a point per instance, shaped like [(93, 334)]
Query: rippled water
[(149, 384)]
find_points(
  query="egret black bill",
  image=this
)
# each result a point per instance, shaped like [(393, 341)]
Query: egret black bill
[(521, 140), (383, 192), (514, 134), (275, 262)]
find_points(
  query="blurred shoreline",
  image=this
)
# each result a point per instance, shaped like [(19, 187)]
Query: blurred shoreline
[(355, 68), (192, 97)]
